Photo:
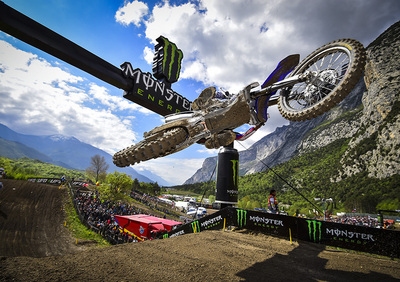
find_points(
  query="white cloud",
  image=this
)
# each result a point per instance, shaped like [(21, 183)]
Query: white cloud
[(100, 95), (170, 169), (148, 55), (231, 44), (42, 99), (222, 46), (211, 152), (195, 70), (132, 12)]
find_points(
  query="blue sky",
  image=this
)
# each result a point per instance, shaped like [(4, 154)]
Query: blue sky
[(225, 43)]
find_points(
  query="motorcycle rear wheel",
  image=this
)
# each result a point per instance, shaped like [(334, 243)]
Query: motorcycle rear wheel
[(162, 144), (339, 65)]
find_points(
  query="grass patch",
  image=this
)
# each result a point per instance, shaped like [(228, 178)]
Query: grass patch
[(184, 193)]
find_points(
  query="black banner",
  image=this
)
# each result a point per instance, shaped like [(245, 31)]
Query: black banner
[(214, 221), (55, 181), (153, 94), (353, 237)]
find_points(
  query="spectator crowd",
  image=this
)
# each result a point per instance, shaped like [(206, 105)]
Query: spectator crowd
[(367, 221), (153, 203), (355, 220), (99, 215)]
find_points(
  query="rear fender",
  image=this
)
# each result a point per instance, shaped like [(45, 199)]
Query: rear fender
[(193, 126), (178, 123), (282, 70)]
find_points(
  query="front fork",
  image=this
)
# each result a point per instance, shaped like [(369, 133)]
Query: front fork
[(308, 76)]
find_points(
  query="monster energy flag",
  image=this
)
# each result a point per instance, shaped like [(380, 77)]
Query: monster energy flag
[(167, 60)]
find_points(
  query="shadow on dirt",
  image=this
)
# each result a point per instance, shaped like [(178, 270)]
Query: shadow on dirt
[(295, 266), (2, 214)]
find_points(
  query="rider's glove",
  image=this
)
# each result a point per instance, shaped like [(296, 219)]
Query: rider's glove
[(222, 95)]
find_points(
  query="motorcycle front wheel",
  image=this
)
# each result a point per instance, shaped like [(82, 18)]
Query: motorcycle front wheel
[(158, 145), (338, 66)]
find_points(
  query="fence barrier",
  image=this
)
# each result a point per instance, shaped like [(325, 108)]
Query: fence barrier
[(353, 237), (55, 181)]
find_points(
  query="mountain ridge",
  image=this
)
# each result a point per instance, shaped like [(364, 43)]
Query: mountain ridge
[(55, 149)]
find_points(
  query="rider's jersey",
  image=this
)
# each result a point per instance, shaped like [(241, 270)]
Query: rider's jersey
[(272, 202)]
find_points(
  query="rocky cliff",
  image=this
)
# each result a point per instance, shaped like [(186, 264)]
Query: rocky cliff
[(375, 146), (369, 117)]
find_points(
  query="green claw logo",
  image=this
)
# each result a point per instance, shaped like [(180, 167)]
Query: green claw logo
[(165, 236), (314, 230), (241, 217), (195, 226), (167, 62), (235, 165)]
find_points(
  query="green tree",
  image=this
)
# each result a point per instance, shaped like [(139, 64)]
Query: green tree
[(118, 184), (249, 205), (211, 198), (136, 185), (156, 189), (389, 204), (256, 204)]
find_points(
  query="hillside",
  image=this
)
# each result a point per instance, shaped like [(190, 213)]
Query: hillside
[(16, 150), (39, 248), (24, 168), (369, 116), (60, 150)]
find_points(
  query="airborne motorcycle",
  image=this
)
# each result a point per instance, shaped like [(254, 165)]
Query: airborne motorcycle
[(317, 84)]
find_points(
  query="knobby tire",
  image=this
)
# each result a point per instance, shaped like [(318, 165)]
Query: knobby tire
[(295, 107), (161, 144)]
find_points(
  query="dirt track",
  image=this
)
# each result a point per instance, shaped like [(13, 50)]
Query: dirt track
[(35, 246)]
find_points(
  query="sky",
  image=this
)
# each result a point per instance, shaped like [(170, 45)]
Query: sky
[(227, 44)]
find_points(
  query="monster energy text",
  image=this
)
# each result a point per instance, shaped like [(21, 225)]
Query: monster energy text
[(265, 220), (349, 234), (153, 91), (182, 232), (211, 222)]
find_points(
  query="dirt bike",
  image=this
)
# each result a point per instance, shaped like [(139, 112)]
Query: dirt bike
[(306, 90)]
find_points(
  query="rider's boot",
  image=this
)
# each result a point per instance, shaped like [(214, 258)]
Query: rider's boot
[(204, 98), (223, 138)]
